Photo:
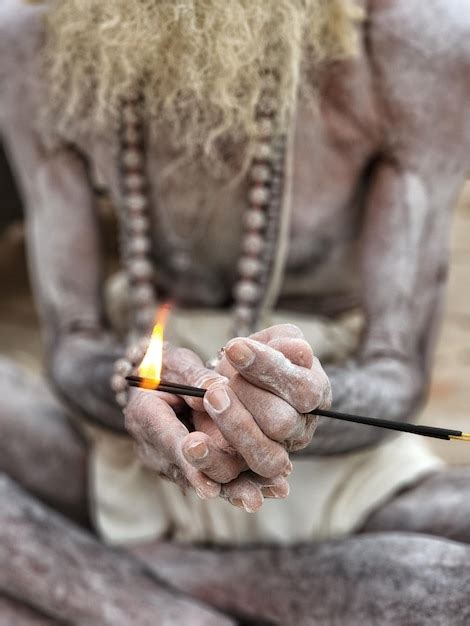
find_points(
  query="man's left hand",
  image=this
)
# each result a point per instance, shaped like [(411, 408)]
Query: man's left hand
[(274, 380)]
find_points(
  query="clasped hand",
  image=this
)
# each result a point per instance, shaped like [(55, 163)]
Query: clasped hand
[(251, 417)]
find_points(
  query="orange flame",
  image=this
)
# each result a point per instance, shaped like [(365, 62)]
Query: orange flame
[(151, 366)]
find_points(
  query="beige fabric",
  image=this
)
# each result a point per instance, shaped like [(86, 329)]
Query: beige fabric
[(329, 496)]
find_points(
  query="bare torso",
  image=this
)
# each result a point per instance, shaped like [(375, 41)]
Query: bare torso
[(332, 152)]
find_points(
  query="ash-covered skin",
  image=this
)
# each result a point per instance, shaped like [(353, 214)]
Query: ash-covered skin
[(66, 573), (233, 433), (393, 131)]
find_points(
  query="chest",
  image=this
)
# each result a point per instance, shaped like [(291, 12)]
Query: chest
[(201, 219)]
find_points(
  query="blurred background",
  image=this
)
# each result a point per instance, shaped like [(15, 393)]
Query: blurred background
[(449, 401)]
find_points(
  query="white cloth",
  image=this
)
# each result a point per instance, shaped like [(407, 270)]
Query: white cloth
[(329, 497)]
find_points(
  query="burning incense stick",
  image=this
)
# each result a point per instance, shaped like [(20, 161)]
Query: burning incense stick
[(416, 429)]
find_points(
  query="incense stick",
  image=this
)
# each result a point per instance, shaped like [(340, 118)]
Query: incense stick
[(415, 429)]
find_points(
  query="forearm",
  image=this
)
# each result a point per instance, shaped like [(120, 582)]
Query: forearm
[(65, 257), (386, 389), (403, 277), (80, 370)]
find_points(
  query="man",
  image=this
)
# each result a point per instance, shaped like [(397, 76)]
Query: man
[(182, 111)]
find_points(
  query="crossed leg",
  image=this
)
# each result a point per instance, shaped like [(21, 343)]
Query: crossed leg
[(386, 579), (39, 448), (409, 565), (438, 505)]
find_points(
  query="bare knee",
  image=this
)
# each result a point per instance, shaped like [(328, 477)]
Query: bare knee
[(438, 505), (39, 447)]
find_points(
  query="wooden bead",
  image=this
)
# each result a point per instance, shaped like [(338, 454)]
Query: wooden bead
[(139, 245), (123, 367), (259, 196), (134, 182), (142, 295), (243, 314), (132, 159), (136, 202), (263, 151), (247, 291), (260, 173), (252, 244), (118, 383), (135, 354), (140, 269), (249, 267), (139, 225), (265, 127), (254, 219)]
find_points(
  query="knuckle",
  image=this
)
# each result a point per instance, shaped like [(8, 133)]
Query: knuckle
[(206, 378)]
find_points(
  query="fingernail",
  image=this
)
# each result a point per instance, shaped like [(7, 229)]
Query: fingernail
[(201, 494), (240, 504), (198, 450), (273, 492), (240, 354), (218, 399)]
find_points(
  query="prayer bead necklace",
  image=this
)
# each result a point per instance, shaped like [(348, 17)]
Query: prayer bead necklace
[(261, 219)]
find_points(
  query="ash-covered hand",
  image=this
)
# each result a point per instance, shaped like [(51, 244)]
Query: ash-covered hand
[(273, 381), (201, 459), (250, 417)]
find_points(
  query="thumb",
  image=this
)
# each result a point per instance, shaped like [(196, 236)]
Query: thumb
[(203, 378)]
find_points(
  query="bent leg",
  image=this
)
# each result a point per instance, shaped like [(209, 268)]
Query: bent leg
[(438, 505), (64, 572), (39, 448), (386, 579)]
